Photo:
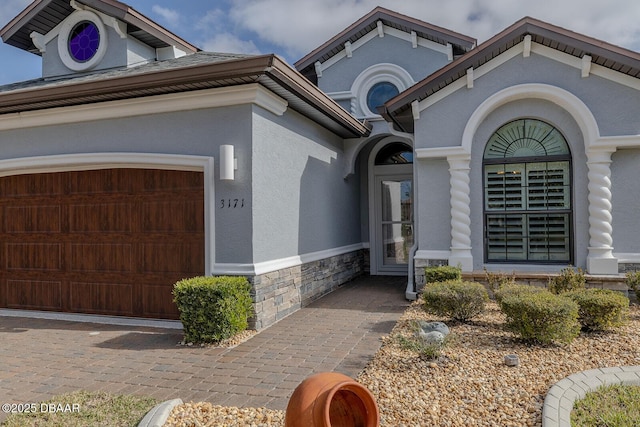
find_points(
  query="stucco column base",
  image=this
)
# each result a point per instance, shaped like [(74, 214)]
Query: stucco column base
[(462, 258), (596, 265)]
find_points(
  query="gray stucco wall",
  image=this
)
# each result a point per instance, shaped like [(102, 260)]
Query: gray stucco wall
[(614, 107), (433, 207), (301, 202), (199, 132), (418, 62), (625, 173)]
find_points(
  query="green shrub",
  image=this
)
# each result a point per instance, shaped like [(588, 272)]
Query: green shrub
[(542, 317), (633, 282), (568, 280), (213, 308), (455, 299), (511, 288), (496, 280), (442, 273), (600, 309)]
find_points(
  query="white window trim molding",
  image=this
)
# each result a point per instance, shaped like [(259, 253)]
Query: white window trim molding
[(98, 161), (63, 40), (384, 72), (208, 98)]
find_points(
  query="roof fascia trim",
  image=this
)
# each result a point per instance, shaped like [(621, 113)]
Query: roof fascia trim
[(208, 98), (21, 19)]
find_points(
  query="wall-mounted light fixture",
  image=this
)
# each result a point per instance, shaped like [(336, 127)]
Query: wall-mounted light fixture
[(228, 163)]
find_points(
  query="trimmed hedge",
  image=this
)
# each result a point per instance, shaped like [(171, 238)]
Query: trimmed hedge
[(600, 309), (442, 273), (511, 288), (542, 317), (455, 299), (213, 309), (568, 280), (633, 282)]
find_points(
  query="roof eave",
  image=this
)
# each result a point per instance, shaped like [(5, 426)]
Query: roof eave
[(174, 80), (109, 7)]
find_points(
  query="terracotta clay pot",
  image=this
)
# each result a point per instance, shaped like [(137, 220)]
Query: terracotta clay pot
[(330, 399)]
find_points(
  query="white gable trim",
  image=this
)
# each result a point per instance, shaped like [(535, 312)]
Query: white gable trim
[(208, 98), (408, 37), (96, 161), (524, 48)]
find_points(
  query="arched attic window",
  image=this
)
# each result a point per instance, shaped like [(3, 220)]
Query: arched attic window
[(527, 194)]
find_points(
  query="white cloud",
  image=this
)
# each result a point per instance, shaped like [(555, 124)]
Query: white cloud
[(10, 8), (169, 16), (301, 26), (229, 43)]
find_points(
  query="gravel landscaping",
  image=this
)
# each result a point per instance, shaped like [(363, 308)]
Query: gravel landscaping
[(469, 385)]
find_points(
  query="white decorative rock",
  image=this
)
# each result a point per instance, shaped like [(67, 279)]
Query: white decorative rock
[(434, 326), (431, 338), (511, 360)]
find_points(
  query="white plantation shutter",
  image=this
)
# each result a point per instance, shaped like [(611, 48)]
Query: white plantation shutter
[(527, 203)]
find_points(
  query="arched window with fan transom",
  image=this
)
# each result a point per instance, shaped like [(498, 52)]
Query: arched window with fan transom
[(527, 194)]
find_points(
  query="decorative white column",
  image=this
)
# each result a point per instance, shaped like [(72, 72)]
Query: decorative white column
[(600, 259), (460, 212)]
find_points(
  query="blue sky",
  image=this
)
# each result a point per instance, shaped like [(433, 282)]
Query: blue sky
[(292, 28)]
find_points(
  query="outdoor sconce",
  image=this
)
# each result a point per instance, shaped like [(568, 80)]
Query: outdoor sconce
[(228, 163)]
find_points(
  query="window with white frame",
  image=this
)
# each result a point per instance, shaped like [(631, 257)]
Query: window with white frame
[(527, 194), (376, 85)]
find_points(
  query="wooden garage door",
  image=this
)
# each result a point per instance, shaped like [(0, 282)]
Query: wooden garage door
[(108, 241)]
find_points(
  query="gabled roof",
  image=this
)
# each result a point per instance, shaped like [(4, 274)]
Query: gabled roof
[(201, 70), (398, 109), (43, 15), (368, 23)]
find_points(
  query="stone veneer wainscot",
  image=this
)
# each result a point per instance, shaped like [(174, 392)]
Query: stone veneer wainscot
[(279, 293)]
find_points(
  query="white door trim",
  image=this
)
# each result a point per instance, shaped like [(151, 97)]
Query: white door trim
[(374, 171)]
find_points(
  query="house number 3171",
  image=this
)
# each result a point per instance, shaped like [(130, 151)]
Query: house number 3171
[(231, 203)]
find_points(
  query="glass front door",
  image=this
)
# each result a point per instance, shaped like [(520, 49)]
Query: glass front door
[(395, 223)]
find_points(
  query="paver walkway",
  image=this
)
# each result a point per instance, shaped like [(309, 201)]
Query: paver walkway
[(340, 332)]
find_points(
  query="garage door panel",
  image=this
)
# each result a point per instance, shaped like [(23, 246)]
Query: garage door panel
[(34, 256), (114, 241), (172, 216), (46, 184), (102, 181), (34, 294), (159, 301), (172, 258), (33, 219), (165, 180), (100, 218), (102, 257), (102, 298)]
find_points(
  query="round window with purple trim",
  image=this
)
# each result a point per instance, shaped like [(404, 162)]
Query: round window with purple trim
[(84, 41)]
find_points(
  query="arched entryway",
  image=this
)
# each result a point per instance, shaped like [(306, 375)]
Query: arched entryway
[(390, 207)]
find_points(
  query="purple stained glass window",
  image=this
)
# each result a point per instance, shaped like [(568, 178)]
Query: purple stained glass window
[(84, 41)]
